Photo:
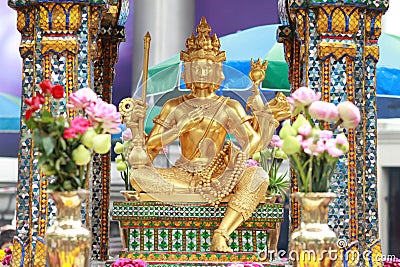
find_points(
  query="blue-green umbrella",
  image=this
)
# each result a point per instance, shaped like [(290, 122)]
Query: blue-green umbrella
[(10, 109), (240, 47)]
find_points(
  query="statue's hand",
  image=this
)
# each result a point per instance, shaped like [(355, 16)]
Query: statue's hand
[(280, 107), (255, 102), (138, 111), (185, 124), (132, 110)]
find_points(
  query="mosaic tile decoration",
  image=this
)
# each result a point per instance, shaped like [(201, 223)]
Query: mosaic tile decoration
[(158, 210), (196, 258), (148, 238), (188, 227), (57, 47), (344, 69), (377, 4)]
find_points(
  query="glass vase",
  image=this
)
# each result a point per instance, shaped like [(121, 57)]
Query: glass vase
[(68, 242), (313, 243)]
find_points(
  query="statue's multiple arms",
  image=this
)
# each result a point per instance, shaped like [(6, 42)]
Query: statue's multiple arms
[(240, 125)]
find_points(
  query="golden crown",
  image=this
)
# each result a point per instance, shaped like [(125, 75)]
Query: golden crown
[(203, 46)]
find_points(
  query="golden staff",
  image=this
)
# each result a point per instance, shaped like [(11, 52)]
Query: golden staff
[(147, 40), (138, 156)]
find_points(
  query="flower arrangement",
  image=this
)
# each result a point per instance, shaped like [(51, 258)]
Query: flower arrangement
[(124, 262), (271, 159), (6, 255), (312, 148), (66, 146), (122, 150)]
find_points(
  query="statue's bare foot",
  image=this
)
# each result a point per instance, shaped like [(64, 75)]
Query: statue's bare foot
[(219, 243)]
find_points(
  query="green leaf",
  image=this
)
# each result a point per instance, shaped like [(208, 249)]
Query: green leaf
[(60, 161), (53, 187), (48, 145), (62, 143), (30, 124)]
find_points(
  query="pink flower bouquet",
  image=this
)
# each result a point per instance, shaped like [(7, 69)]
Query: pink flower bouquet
[(124, 262), (271, 159), (312, 145), (6, 256), (66, 146)]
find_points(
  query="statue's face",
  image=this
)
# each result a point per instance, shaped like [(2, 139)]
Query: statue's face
[(203, 73)]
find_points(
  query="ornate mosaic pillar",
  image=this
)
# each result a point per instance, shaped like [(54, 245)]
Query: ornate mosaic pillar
[(292, 46), (110, 35), (337, 56), (58, 42)]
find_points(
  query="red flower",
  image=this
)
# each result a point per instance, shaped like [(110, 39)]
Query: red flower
[(69, 133), (57, 91), (80, 125), (46, 86), (35, 102), (7, 259), (28, 114)]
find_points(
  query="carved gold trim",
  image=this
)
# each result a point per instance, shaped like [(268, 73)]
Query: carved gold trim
[(373, 24), (60, 17), (58, 45), (204, 257), (301, 24), (338, 19), (26, 46), (372, 51), (336, 49), (40, 254), (23, 16)]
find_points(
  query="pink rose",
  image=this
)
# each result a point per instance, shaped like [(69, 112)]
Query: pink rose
[(303, 97), (325, 134), (306, 145), (80, 124), (126, 135), (325, 111), (123, 262), (309, 147), (251, 163), (334, 151), (275, 141), (319, 147), (81, 98), (69, 133), (349, 113), (106, 115), (341, 139), (304, 130)]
